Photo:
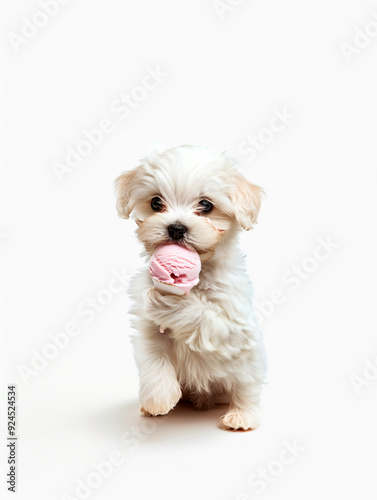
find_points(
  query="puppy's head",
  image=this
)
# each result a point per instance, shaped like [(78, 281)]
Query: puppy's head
[(187, 195)]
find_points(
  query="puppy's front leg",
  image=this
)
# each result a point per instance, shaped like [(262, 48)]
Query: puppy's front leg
[(159, 387), (243, 413)]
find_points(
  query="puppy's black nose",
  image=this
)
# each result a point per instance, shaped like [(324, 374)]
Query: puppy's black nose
[(176, 231)]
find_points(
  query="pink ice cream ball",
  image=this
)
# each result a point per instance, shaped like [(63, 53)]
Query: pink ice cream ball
[(175, 265)]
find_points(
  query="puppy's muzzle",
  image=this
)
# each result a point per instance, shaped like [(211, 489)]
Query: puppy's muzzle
[(177, 231)]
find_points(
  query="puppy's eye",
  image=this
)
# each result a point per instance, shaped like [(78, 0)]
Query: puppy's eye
[(206, 206), (157, 204)]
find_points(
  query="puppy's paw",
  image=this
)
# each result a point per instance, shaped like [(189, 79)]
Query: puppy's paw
[(239, 420), (160, 402)]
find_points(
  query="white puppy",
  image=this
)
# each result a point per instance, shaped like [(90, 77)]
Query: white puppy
[(211, 345)]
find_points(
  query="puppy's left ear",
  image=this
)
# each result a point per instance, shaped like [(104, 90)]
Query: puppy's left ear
[(246, 198), (124, 186)]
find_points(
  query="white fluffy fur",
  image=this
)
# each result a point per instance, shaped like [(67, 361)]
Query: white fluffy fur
[(211, 346)]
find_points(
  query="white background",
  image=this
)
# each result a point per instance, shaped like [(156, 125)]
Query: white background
[(62, 241)]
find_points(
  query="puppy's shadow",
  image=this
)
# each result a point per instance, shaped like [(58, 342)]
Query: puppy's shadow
[(126, 420)]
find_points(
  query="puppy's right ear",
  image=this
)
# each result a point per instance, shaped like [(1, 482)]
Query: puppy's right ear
[(124, 191)]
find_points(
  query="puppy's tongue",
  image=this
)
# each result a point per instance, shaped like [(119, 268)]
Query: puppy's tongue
[(175, 265)]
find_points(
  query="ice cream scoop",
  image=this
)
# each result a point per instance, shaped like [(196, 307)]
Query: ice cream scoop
[(175, 269)]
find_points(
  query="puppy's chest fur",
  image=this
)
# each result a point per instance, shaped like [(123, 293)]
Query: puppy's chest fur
[(207, 358), (211, 352), (214, 346), (225, 328)]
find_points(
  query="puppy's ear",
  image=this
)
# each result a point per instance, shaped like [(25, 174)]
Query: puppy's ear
[(246, 198), (124, 186)]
